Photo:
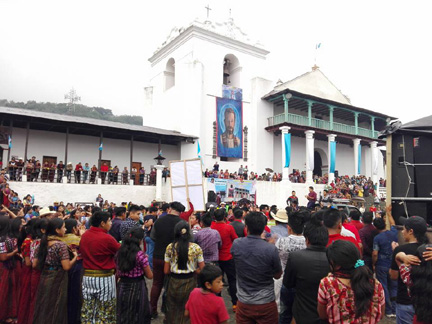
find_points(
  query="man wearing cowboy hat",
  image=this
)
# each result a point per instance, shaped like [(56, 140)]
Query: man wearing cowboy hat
[(281, 218), (46, 212)]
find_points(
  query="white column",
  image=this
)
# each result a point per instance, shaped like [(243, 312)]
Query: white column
[(374, 161), (331, 138), (356, 143), (309, 155), (285, 171), (159, 169)]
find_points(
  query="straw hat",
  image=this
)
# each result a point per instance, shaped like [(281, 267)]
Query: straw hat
[(281, 216), (45, 211)]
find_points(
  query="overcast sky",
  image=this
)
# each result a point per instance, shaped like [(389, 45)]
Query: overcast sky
[(377, 52)]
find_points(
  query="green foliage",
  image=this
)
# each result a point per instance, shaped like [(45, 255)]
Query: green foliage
[(78, 110)]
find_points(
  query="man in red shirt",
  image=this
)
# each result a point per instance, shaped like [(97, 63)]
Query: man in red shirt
[(312, 198), (333, 221), (355, 219), (104, 170), (226, 262)]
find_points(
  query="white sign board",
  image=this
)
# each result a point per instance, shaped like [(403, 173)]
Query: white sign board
[(187, 182)]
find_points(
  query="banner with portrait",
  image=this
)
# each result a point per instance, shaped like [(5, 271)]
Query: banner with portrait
[(229, 119)]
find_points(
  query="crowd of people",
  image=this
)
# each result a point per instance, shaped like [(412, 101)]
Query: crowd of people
[(80, 173), (91, 264), (295, 177)]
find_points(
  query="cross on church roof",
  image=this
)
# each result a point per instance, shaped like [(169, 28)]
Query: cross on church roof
[(208, 10)]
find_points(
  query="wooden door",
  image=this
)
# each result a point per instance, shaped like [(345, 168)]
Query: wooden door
[(137, 166), (49, 159)]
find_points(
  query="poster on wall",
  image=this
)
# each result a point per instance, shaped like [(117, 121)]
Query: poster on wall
[(229, 190), (229, 119), (230, 92)]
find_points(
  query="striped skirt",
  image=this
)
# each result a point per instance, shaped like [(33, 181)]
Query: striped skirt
[(9, 290), (51, 298), (132, 302), (177, 296), (99, 297)]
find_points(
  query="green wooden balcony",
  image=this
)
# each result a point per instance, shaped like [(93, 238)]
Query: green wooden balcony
[(321, 124)]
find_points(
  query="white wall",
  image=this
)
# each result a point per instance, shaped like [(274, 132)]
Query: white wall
[(85, 149), (46, 193)]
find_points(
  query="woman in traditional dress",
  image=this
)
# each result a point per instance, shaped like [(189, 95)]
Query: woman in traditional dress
[(98, 249), (132, 265), (39, 228), (51, 172), (6, 192), (54, 259), (182, 260), (93, 173), (72, 238), (8, 285), (45, 170), (26, 271)]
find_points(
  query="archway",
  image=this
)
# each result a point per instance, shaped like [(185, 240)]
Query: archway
[(231, 71), (170, 74), (317, 164)]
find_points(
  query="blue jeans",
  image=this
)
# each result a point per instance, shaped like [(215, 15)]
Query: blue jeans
[(287, 297), (150, 248), (404, 314), (390, 288)]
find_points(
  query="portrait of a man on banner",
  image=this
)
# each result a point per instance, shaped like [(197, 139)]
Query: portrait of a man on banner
[(229, 117)]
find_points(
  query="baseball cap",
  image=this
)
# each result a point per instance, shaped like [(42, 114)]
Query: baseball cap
[(417, 224)]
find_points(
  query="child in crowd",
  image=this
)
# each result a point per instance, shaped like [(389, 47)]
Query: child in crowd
[(203, 305)]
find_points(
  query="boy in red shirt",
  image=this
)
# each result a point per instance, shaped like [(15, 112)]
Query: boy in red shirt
[(203, 306)]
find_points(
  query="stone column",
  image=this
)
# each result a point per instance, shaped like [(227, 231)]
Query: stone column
[(159, 169), (309, 155), (331, 138), (374, 161), (356, 143), (285, 171)]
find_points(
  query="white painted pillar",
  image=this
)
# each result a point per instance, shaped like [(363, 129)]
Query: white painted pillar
[(159, 169), (356, 143), (285, 171), (309, 155), (331, 138), (374, 161)]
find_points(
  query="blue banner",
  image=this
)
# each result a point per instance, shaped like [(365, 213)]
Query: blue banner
[(229, 117), (287, 141), (332, 156), (359, 159)]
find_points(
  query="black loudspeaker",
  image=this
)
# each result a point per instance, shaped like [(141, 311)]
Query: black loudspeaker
[(402, 150), (336, 173), (422, 147), (414, 208)]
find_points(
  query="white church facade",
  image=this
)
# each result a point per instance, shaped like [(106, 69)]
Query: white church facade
[(189, 72)]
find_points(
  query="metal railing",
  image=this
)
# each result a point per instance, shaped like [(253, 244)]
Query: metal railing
[(54, 176), (321, 124)]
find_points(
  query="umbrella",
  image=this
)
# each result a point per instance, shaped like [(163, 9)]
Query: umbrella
[(269, 170)]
